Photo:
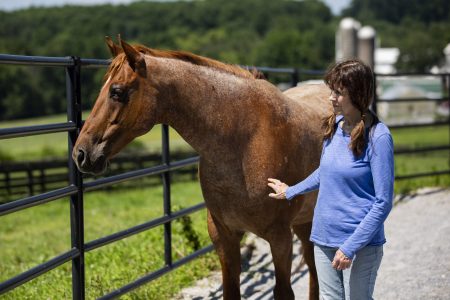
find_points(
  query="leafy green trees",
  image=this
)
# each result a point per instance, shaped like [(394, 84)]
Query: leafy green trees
[(275, 33), (420, 29)]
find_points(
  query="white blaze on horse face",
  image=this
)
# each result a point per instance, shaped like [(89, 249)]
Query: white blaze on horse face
[(107, 81)]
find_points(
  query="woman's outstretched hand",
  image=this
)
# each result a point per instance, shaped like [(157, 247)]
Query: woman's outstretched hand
[(279, 188)]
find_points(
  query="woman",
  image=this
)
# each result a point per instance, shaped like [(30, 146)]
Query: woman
[(356, 178)]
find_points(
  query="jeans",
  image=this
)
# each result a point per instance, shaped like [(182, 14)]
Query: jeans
[(354, 283)]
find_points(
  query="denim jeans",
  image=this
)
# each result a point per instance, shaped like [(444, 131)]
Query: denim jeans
[(354, 283)]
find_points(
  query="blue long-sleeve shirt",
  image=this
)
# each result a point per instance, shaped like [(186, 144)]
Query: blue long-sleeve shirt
[(355, 194)]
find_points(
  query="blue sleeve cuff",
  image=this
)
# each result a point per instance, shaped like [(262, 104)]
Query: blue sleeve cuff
[(290, 193), (350, 254)]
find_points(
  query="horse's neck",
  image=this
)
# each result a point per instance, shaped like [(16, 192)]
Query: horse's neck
[(209, 108)]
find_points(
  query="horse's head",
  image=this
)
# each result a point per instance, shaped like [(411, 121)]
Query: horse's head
[(124, 109)]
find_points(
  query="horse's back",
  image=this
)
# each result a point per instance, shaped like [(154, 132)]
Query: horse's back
[(311, 95), (309, 105)]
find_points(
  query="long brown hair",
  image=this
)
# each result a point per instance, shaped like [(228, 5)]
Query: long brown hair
[(358, 80)]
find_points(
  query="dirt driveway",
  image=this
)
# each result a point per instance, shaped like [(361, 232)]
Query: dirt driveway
[(416, 262)]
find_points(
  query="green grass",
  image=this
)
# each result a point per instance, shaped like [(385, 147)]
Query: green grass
[(420, 137), (406, 164), (27, 238), (421, 163)]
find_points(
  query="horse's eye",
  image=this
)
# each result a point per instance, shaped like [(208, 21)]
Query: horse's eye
[(117, 93)]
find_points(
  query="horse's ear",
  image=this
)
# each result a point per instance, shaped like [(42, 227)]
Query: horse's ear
[(113, 48), (136, 59)]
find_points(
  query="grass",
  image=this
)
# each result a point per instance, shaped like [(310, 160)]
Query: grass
[(420, 137), (406, 164), (27, 238), (421, 163)]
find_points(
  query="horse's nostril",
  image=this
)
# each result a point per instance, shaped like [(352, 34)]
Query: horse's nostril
[(81, 156)]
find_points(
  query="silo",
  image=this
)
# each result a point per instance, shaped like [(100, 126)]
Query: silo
[(366, 45), (346, 39)]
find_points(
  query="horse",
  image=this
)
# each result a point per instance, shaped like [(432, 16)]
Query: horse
[(244, 129)]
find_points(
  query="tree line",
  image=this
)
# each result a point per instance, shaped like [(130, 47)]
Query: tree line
[(276, 33)]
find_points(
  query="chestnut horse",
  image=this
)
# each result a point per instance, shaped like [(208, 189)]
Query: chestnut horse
[(245, 131)]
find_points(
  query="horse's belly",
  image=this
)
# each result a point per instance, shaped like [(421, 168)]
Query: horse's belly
[(259, 216)]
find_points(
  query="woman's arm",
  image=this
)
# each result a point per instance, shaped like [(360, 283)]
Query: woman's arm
[(309, 184), (382, 167), (283, 191)]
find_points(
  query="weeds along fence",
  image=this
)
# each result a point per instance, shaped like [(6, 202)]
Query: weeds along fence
[(76, 186)]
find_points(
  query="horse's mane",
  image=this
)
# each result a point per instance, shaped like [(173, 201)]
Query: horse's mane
[(120, 59)]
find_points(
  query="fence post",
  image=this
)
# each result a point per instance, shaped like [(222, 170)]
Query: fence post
[(166, 195), (448, 117), (295, 77), (42, 180), (30, 181), (73, 88), (8, 182), (375, 94)]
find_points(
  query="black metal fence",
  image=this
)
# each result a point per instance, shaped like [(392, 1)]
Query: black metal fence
[(444, 121), (77, 187)]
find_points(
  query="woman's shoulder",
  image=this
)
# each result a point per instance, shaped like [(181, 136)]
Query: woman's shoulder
[(379, 129), (380, 136)]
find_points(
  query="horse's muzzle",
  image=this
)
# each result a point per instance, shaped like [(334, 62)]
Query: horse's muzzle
[(80, 157), (87, 163)]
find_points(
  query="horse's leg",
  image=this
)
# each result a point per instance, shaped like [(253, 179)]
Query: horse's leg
[(227, 245), (303, 232), (281, 247)]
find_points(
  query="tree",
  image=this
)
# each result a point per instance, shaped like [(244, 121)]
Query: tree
[(276, 33)]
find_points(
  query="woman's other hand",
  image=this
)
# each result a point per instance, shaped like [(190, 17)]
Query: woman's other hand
[(340, 261), (279, 188)]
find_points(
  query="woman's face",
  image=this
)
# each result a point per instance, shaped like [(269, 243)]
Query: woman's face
[(342, 104)]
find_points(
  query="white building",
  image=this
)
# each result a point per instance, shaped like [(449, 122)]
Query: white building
[(385, 60)]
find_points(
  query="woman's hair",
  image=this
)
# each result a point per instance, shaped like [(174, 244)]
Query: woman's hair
[(357, 79)]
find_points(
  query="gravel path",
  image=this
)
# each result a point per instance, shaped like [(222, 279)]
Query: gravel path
[(416, 263)]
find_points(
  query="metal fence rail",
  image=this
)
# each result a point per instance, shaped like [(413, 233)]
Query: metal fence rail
[(31, 177), (76, 187)]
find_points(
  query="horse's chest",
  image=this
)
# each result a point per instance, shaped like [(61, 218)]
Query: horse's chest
[(232, 205), (228, 196)]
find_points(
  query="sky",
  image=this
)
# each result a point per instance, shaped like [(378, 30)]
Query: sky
[(8, 5)]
